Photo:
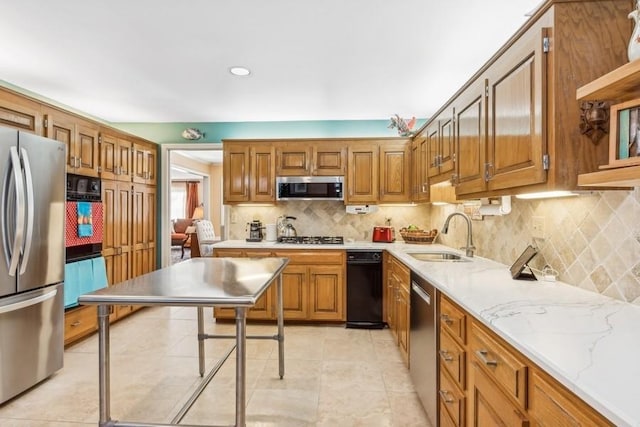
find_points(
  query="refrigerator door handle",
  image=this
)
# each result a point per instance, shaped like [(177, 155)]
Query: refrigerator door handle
[(30, 206), (18, 239), (29, 302)]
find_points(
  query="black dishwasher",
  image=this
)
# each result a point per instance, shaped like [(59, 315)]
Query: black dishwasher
[(364, 289)]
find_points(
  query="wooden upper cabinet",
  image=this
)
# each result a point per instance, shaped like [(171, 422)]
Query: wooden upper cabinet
[(395, 172), (329, 158), (236, 167), (362, 176), (441, 147), (115, 157), (20, 113), (516, 108), (304, 158), (262, 175), (144, 164), (420, 167), (293, 159), (470, 123), (80, 137)]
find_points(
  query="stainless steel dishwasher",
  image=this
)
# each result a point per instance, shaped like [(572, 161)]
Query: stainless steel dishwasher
[(423, 340)]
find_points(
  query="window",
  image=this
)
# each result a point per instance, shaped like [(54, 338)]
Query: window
[(178, 200)]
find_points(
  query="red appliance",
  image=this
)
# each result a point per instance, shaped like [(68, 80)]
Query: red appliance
[(383, 234)]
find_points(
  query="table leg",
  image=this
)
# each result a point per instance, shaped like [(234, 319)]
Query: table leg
[(103, 365), (241, 365), (201, 339), (280, 328)]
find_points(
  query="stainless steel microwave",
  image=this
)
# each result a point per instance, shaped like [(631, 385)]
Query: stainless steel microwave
[(310, 188)]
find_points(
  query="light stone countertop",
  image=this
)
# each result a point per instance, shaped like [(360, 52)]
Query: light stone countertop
[(588, 342)]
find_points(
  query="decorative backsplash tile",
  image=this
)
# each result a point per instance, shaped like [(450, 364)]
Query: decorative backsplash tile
[(592, 241)]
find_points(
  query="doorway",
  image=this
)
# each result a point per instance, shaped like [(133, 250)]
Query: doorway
[(203, 160)]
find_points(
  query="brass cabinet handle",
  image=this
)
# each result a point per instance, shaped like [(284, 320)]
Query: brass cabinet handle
[(446, 356), (444, 394), (76, 323), (482, 355)]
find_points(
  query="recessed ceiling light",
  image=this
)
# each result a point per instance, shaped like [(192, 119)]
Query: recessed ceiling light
[(239, 71)]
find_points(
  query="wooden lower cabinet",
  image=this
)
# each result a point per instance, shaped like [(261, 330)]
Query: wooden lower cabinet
[(489, 405), (550, 404), (79, 322), (313, 286), (397, 302), (484, 381)]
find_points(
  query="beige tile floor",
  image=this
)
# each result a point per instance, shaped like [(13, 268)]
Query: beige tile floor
[(333, 377)]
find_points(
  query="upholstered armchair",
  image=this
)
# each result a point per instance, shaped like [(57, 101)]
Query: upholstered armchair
[(180, 232)]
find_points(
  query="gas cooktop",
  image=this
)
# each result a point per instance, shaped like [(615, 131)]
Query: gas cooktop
[(313, 240)]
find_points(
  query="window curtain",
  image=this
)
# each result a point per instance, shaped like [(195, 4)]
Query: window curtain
[(192, 197)]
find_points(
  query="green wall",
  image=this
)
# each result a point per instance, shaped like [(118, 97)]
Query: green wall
[(170, 133)]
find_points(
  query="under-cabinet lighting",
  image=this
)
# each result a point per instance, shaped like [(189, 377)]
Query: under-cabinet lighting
[(439, 203), (397, 205), (546, 195)]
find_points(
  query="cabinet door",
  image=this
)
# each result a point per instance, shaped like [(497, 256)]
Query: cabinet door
[(402, 321), (433, 148), (470, 136), (263, 177), (123, 157), (140, 159), (293, 159), (295, 292), (328, 292), (150, 224), (516, 114), (362, 174), (489, 406), (87, 149), (329, 159), (139, 232), (552, 405), (390, 302), (447, 153), (395, 167), (236, 173), (19, 113), (151, 155), (421, 168), (108, 156), (61, 127)]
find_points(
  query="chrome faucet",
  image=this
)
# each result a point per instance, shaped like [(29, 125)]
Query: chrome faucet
[(445, 228)]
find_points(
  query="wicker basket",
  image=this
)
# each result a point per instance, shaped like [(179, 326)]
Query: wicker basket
[(419, 237)]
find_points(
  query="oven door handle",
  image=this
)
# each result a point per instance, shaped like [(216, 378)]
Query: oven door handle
[(421, 293)]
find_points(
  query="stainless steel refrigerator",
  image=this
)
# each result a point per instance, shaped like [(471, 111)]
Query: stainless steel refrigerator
[(32, 224)]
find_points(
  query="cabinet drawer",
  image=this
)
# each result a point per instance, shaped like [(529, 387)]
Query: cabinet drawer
[(452, 399), (500, 363), (314, 257), (257, 253), (221, 253), (453, 320), (401, 271), (80, 321), (452, 358)]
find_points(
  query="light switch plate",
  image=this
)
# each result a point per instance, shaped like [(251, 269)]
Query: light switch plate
[(537, 227)]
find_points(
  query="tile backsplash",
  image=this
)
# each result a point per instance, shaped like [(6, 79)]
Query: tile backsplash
[(592, 241)]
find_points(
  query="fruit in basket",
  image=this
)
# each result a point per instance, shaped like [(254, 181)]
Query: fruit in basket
[(412, 227)]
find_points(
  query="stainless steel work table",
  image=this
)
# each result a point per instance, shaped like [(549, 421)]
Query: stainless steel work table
[(198, 282)]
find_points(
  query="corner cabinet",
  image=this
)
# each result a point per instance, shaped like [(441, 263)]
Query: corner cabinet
[(516, 123), (484, 381)]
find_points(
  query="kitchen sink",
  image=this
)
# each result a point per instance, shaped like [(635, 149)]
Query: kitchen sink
[(438, 257)]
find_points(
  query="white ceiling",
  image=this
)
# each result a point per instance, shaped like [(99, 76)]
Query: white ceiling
[(168, 60)]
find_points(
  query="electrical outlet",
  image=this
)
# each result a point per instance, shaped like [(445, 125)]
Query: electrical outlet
[(537, 227), (234, 217)]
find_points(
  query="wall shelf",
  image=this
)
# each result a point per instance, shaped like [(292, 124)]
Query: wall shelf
[(621, 84)]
